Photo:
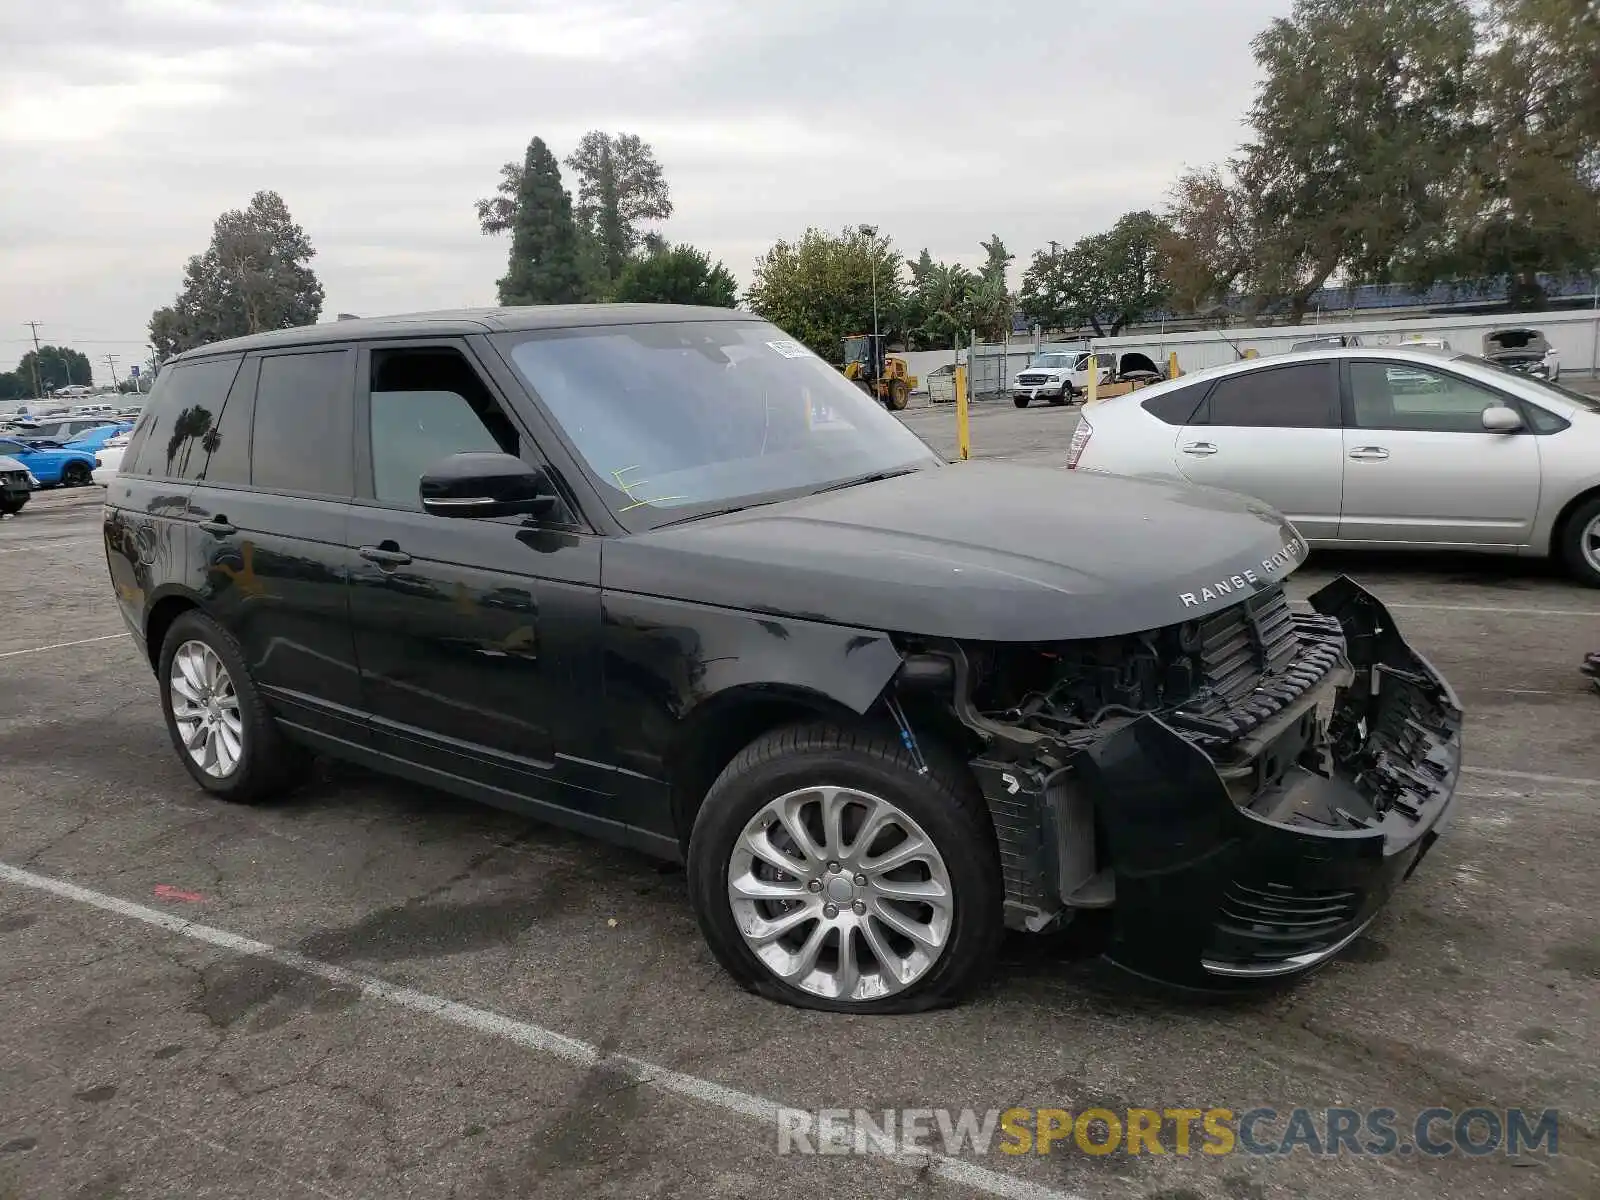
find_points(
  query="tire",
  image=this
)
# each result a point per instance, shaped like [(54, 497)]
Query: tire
[(1582, 526), (76, 474), (1020, 401), (266, 764), (899, 394), (1058, 401), (10, 508), (801, 768)]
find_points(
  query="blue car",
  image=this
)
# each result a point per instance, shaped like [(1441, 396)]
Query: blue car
[(66, 466), (95, 439)]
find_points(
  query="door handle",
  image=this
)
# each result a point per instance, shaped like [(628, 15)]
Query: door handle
[(1369, 453), (219, 525), (386, 555), (1200, 449)]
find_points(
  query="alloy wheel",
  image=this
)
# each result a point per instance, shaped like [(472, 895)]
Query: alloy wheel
[(840, 893), (205, 709), (1589, 543)]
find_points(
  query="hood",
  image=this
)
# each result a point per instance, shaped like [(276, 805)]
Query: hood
[(7, 463), (988, 551)]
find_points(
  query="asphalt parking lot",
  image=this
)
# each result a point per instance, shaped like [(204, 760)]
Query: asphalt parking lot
[(374, 990)]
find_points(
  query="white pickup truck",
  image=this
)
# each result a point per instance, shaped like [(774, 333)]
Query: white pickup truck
[(1053, 375)]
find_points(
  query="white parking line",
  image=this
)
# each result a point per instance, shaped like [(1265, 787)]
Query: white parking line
[(521, 1033), (62, 645), (1499, 610)]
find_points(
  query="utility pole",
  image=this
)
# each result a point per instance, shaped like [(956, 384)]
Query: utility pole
[(34, 325), (111, 361)]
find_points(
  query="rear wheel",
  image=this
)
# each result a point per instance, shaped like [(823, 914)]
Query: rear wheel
[(827, 873), (220, 726), (76, 474), (1580, 542)]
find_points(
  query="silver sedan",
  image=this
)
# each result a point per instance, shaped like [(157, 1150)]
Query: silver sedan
[(1375, 448)]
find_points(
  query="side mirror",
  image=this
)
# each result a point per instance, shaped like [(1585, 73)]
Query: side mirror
[(1499, 418), (485, 485)]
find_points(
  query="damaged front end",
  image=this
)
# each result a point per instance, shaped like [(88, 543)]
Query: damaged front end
[(1243, 791)]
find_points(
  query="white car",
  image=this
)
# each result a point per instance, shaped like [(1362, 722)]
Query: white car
[(1378, 447), (108, 459)]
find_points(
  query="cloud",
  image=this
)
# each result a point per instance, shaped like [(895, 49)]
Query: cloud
[(129, 126)]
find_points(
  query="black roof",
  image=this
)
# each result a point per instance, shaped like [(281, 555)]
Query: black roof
[(461, 321)]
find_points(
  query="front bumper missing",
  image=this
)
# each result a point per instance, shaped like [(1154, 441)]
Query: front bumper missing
[(1210, 889)]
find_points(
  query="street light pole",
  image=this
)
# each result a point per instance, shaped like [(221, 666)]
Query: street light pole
[(870, 232)]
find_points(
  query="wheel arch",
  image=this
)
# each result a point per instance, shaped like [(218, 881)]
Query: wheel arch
[(1558, 527), (166, 609), (711, 735)]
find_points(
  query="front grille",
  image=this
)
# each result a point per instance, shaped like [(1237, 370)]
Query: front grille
[(1033, 380), (1255, 659), (1261, 923)]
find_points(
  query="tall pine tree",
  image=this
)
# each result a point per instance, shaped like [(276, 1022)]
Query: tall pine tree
[(543, 268)]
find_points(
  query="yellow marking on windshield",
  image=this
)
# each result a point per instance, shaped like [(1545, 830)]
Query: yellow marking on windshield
[(647, 503)]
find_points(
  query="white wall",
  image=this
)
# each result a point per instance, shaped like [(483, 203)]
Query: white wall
[(1572, 334)]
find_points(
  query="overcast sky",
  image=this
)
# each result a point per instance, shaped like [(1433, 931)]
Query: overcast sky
[(128, 127)]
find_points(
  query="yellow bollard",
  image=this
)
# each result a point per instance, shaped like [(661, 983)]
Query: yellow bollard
[(1092, 392), (963, 433), (1172, 365)]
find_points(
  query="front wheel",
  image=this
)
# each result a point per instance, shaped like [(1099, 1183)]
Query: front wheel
[(1580, 542), (10, 508), (1020, 401), (76, 474), (899, 395), (827, 872)]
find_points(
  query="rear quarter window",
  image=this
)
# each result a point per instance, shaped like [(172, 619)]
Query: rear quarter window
[(1177, 406), (183, 408)]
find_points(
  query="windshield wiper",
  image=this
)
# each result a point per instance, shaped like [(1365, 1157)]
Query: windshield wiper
[(875, 477)]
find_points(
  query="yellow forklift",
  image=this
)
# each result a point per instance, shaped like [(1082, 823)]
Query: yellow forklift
[(882, 376)]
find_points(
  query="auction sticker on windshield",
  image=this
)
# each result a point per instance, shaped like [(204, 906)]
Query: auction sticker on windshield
[(790, 349)]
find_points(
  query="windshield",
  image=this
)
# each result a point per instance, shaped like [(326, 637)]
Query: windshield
[(705, 415), (1589, 403), (1060, 362)]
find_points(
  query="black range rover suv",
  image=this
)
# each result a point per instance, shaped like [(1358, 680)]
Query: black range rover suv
[(662, 575)]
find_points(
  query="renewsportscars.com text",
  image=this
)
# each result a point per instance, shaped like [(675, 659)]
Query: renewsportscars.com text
[(1434, 1132)]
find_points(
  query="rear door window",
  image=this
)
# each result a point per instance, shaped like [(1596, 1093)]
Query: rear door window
[(304, 417), (1303, 396)]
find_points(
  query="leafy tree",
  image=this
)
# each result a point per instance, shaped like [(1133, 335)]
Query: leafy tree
[(544, 264), (1359, 127), (13, 388), (1530, 197), (254, 276), (997, 259), (1211, 247), (820, 288), (58, 366), (620, 184), (676, 275), (1104, 281)]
